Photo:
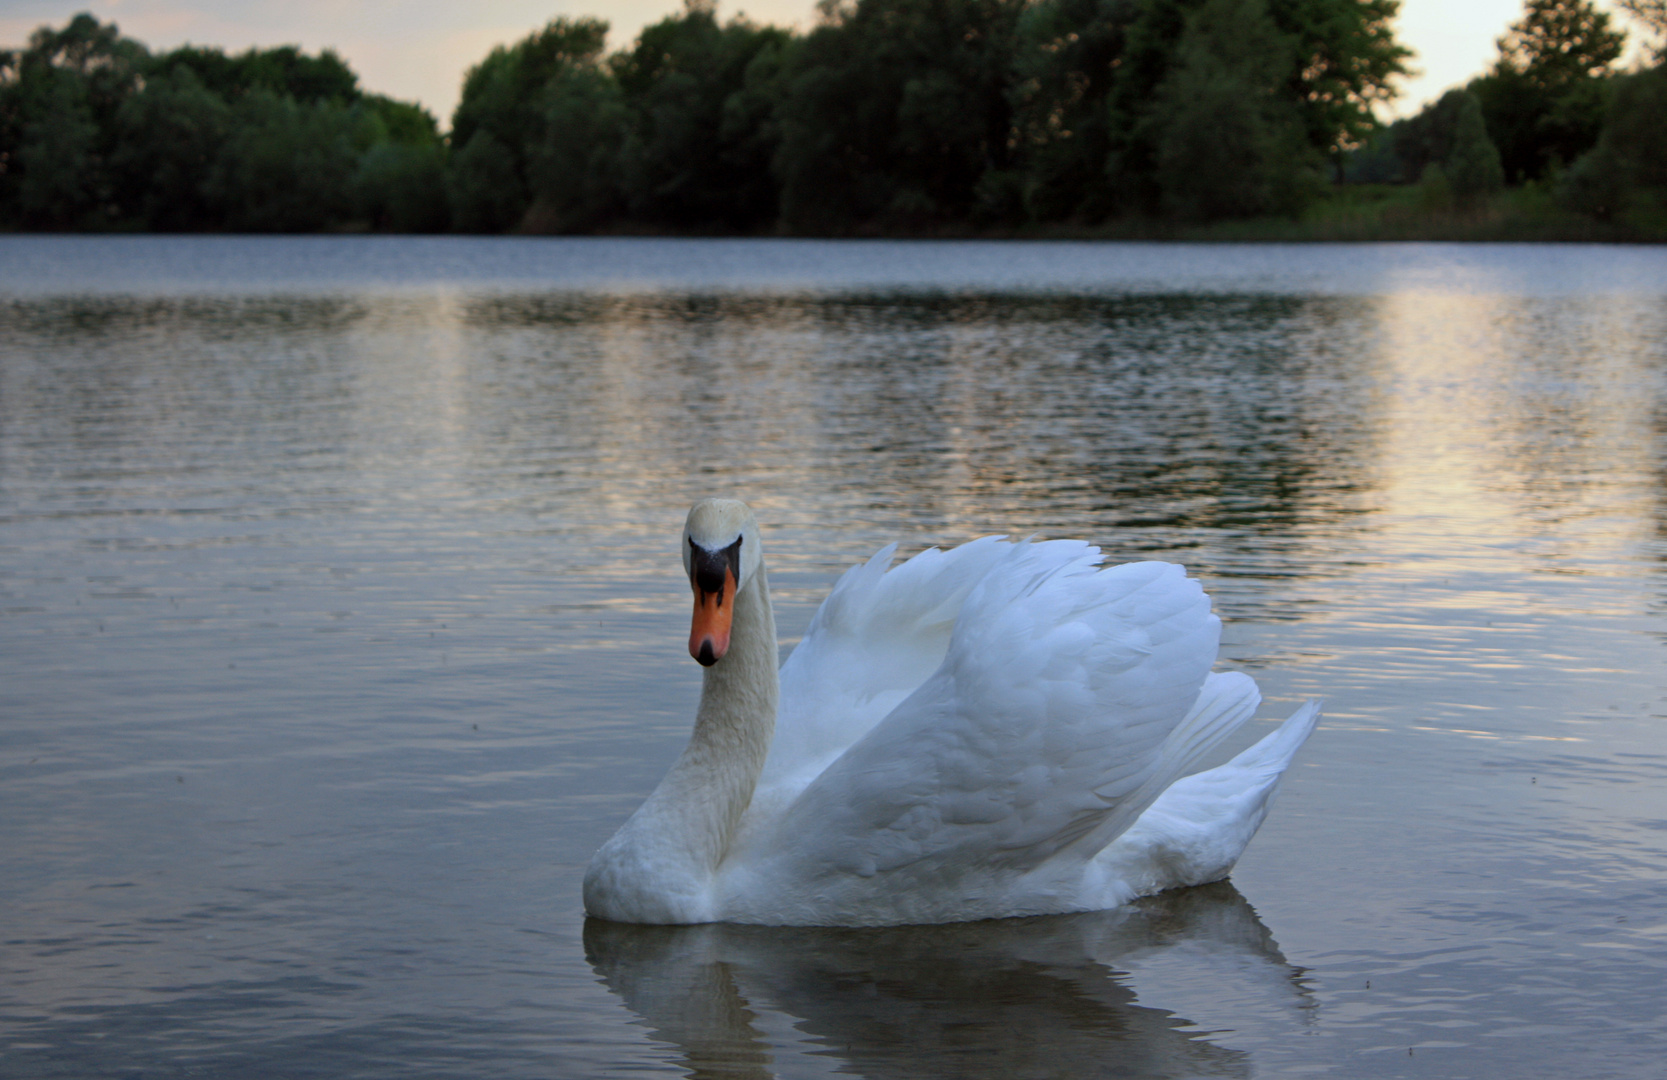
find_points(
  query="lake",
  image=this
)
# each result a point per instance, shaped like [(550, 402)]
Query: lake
[(341, 619)]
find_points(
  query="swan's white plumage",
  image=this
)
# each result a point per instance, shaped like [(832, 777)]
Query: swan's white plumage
[(993, 730)]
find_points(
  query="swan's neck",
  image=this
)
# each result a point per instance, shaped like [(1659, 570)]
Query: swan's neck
[(710, 786)]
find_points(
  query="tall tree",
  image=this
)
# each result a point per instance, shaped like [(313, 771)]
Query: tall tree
[(168, 139), (1472, 164), (701, 135), (285, 71), (1545, 98), (893, 111), (59, 97), (1347, 59), (399, 184), (1343, 60), (573, 168), (502, 120), (1231, 144), (1427, 138), (1630, 160), (1559, 42), (287, 165), (1068, 57)]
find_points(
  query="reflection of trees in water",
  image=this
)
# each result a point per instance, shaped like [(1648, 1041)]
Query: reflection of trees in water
[(1168, 413), (1203, 421), (1235, 432), (71, 319), (167, 387), (1007, 998)]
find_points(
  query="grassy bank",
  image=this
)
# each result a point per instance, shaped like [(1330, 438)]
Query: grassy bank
[(1365, 213), (1352, 213)]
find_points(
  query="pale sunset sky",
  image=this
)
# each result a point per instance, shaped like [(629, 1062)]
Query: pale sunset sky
[(419, 49)]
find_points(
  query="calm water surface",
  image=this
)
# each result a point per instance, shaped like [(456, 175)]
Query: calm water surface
[(341, 619)]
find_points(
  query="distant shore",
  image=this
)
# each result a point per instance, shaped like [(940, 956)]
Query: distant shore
[(1349, 213)]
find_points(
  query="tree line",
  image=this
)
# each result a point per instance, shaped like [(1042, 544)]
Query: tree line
[(96, 132), (889, 116), (1553, 111)]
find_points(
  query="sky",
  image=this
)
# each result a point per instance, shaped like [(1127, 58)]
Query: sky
[(419, 49)]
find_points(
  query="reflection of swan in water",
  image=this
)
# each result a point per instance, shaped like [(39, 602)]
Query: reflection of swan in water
[(997, 730), (1007, 998)]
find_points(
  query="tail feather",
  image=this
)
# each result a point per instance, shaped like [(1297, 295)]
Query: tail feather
[(1196, 830), (1270, 756)]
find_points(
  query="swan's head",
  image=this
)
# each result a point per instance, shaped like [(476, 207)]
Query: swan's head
[(721, 552)]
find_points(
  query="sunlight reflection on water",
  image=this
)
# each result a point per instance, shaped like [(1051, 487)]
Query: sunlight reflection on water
[(342, 621)]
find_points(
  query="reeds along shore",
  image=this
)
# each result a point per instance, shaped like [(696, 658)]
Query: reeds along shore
[(1160, 119)]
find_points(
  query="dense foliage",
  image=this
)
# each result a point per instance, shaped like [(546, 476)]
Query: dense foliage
[(97, 132), (915, 115), (888, 116), (1627, 169), (1552, 111), (1545, 98)]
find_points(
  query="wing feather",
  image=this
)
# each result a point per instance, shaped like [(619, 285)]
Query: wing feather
[(877, 637), (1051, 714)]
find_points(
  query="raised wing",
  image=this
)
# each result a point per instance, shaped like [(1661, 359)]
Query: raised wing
[(876, 638), (1060, 688)]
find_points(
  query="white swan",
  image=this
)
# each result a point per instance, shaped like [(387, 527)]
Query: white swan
[(989, 731)]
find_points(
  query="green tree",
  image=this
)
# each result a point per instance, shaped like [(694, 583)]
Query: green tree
[(502, 121), (573, 169), (287, 165), (168, 139), (96, 132), (894, 111), (1427, 138), (1545, 98), (701, 138), (484, 188), (1559, 42), (1637, 126), (63, 182), (1133, 132), (1069, 54), (1599, 184), (1343, 58), (1346, 61), (399, 184), (401, 187), (401, 121), (1450, 136), (1375, 160), (1630, 159), (1472, 164), (1230, 143), (58, 100), (284, 71)]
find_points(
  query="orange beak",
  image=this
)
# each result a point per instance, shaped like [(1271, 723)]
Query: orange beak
[(709, 633)]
